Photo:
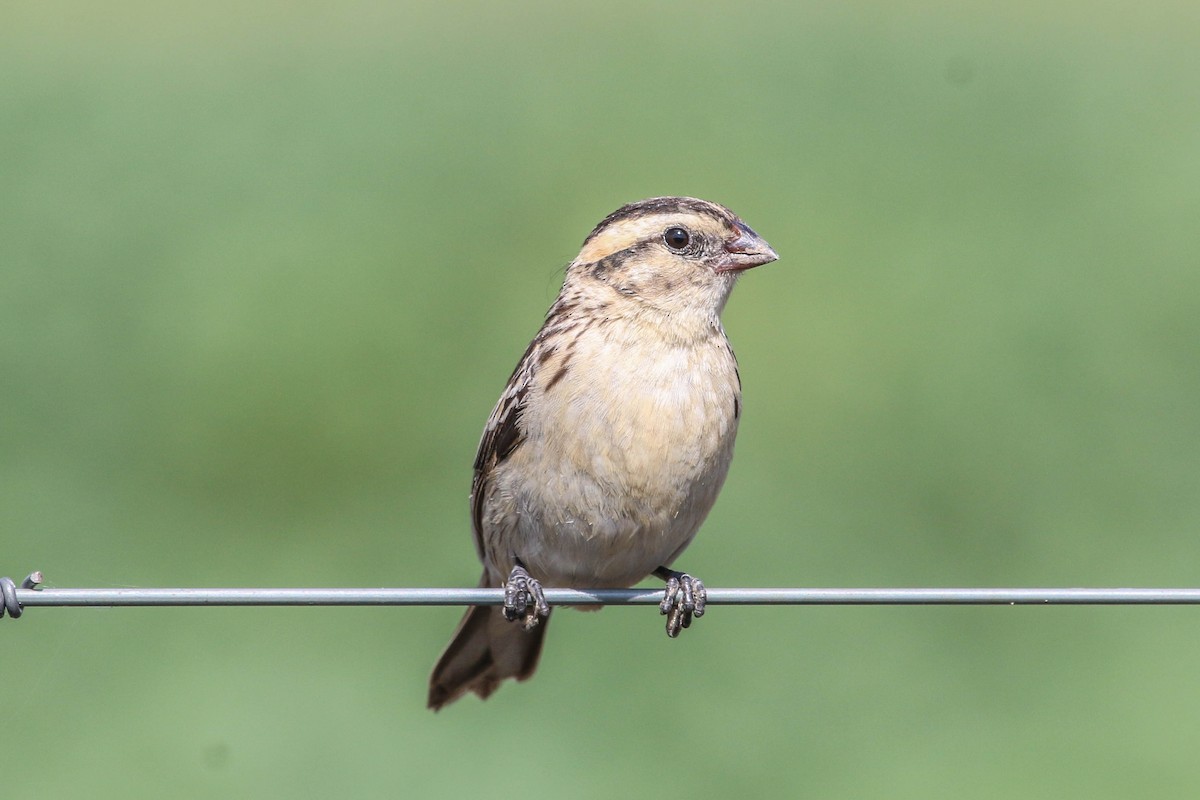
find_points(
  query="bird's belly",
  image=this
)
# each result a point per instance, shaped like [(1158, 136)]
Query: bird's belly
[(598, 551)]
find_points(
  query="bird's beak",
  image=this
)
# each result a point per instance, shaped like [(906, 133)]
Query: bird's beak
[(747, 250)]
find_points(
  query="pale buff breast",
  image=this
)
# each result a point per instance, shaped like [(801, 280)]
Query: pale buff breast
[(618, 469)]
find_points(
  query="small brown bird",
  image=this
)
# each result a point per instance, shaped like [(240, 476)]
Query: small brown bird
[(608, 446)]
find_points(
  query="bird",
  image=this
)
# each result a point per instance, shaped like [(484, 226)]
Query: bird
[(613, 436)]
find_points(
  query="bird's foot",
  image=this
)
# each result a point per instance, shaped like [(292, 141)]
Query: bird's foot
[(683, 600), (523, 598)]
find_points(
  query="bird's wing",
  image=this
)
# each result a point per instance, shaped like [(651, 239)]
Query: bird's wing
[(501, 436)]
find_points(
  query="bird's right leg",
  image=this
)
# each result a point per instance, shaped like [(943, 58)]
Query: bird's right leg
[(523, 597)]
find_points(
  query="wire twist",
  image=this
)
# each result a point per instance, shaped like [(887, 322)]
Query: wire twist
[(8, 590)]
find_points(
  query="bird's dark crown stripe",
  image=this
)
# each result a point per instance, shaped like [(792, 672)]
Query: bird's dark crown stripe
[(663, 205)]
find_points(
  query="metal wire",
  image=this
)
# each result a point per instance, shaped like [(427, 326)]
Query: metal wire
[(14, 599)]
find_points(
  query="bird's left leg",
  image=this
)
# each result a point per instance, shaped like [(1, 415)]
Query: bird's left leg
[(523, 596), (684, 599)]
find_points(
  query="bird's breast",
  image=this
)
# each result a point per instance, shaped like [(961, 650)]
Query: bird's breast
[(625, 450), (648, 420)]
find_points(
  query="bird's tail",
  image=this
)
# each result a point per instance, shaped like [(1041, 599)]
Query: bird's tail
[(485, 650)]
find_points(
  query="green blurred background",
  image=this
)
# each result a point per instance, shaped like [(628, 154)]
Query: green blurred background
[(264, 269)]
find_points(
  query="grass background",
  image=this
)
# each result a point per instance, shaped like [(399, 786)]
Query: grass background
[(264, 270)]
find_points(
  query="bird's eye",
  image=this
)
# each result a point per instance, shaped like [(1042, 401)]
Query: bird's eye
[(677, 238)]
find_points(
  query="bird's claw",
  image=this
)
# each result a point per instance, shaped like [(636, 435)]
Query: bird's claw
[(684, 599), (523, 598)]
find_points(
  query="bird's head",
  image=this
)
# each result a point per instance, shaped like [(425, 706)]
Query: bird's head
[(677, 255)]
